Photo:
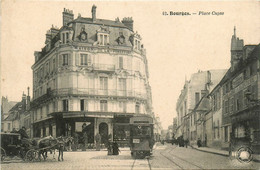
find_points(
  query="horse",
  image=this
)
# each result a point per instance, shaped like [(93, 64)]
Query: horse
[(51, 144)]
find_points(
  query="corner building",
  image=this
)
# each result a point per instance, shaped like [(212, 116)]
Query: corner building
[(91, 71)]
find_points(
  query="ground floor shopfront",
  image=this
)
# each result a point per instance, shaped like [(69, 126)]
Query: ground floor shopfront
[(246, 128), (114, 127)]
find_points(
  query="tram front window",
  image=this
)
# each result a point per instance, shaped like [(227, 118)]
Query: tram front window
[(142, 131)]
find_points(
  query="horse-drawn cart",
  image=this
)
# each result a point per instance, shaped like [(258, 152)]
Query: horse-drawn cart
[(29, 149)]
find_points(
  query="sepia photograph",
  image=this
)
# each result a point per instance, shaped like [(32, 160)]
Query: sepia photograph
[(129, 84)]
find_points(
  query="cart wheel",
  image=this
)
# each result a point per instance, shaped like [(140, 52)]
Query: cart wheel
[(3, 154), (31, 155)]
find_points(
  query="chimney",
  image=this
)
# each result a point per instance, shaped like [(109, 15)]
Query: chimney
[(128, 22), (93, 11), (48, 37), (54, 31), (68, 16), (24, 101), (28, 99)]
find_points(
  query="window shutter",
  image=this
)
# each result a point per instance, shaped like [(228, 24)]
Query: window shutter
[(70, 108), (69, 59), (89, 58), (60, 60), (86, 104), (77, 59), (129, 63)]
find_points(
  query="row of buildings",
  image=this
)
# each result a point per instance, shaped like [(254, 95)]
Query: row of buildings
[(91, 71), (220, 105)]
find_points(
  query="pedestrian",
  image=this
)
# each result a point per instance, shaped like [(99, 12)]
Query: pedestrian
[(199, 142), (85, 141), (186, 143), (76, 141), (115, 148), (109, 149), (98, 140)]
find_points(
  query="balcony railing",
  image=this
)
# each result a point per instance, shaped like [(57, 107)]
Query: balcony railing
[(98, 92)]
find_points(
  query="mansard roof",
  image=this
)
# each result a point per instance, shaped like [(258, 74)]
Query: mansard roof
[(99, 22)]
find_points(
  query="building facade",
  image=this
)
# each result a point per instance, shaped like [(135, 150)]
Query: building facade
[(194, 90), (91, 71), (240, 90)]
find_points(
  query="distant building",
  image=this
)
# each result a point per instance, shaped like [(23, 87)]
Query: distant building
[(6, 105), (91, 71), (157, 128), (194, 90), (231, 110), (18, 116)]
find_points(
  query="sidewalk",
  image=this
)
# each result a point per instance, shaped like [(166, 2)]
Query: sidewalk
[(256, 157)]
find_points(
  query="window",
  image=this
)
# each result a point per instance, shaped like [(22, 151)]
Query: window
[(194, 119), (84, 59), (197, 97), (226, 106), (53, 106), (83, 105), (231, 104), (65, 59), (226, 133), (121, 62), (238, 104), (103, 39), (47, 68), (41, 113), (218, 100), (9, 126), (65, 37), (54, 64), (103, 83), (214, 102), (65, 105), (122, 107), (103, 105), (137, 108), (2, 127), (185, 107), (47, 109), (122, 84)]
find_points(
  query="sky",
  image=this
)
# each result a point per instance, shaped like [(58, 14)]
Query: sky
[(176, 46)]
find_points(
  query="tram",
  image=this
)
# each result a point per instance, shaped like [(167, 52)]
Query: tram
[(141, 136)]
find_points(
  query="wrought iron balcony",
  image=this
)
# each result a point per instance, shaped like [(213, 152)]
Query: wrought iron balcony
[(98, 92)]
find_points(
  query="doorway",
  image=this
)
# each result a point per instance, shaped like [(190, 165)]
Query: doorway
[(103, 131)]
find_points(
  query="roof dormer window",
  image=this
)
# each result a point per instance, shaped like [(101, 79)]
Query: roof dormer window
[(65, 37), (103, 36), (103, 39)]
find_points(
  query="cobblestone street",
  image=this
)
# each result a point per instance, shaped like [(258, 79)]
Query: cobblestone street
[(164, 157)]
